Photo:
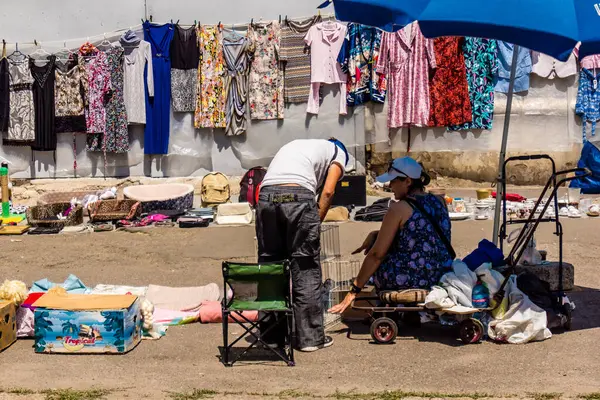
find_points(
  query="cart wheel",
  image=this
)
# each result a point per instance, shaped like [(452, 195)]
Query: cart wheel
[(384, 330), (471, 331)]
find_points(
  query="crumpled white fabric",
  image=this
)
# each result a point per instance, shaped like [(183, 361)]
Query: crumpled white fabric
[(459, 284), (523, 321), (438, 298)]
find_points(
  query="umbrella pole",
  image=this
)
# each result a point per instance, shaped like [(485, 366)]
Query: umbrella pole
[(499, 180)]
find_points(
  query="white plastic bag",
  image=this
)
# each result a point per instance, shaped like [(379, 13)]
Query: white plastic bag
[(492, 278), (523, 321)]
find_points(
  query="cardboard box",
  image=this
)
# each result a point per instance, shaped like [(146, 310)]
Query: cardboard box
[(8, 324), (87, 324)]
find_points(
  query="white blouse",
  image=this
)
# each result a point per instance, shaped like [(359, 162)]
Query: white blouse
[(134, 85)]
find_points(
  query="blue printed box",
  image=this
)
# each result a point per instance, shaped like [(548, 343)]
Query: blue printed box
[(87, 324)]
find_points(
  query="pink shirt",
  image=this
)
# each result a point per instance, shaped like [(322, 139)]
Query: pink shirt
[(325, 40), (589, 62)]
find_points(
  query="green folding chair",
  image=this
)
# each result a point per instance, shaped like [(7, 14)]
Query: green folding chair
[(262, 287)]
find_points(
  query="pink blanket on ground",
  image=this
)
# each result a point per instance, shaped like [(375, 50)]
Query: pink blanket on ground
[(210, 312)]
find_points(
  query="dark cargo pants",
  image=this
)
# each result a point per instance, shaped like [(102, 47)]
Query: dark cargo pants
[(288, 227)]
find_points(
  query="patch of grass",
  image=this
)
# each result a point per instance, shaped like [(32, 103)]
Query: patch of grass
[(398, 395), (195, 394), (17, 391), (590, 396), (546, 396), (294, 394), (72, 394)]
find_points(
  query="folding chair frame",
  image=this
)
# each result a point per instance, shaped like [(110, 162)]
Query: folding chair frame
[(238, 316)]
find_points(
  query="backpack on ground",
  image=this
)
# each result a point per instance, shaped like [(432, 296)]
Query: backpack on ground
[(215, 189), (250, 184)]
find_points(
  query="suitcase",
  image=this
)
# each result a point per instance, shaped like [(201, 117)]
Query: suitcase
[(351, 191)]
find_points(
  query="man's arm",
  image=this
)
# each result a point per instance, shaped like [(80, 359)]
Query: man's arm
[(333, 176)]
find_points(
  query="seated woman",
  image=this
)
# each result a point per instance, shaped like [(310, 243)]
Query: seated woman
[(407, 252)]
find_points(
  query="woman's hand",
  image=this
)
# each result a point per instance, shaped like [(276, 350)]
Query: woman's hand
[(340, 308), (368, 243)]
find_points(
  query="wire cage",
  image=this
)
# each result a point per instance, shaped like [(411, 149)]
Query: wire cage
[(330, 242), (337, 277), (338, 274)]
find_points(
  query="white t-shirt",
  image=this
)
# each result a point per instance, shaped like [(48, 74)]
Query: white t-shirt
[(304, 162)]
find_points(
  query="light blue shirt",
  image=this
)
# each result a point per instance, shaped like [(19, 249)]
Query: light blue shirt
[(505, 54)]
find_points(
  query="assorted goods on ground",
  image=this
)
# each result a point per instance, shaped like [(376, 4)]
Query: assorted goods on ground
[(143, 206)]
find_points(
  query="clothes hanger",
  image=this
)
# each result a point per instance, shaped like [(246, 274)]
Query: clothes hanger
[(64, 50), (40, 50), (17, 53), (233, 35), (105, 42)]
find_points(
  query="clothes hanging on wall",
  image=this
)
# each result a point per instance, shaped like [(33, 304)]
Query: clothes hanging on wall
[(449, 90), (158, 109), (481, 62), (266, 76), (184, 68), (550, 68), (588, 100), (43, 100), (358, 57), (407, 61), (238, 57), (98, 88), (4, 94), (210, 105), (69, 96), (325, 40), (295, 58), (115, 138), (21, 127), (505, 54)]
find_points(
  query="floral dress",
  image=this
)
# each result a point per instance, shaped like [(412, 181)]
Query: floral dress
[(266, 75), (481, 62), (98, 86), (357, 57), (210, 106), (417, 257), (449, 90), (116, 137)]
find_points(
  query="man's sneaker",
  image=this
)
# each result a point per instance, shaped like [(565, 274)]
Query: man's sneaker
[(328, 342)]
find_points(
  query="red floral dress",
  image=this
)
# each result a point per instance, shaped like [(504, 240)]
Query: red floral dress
[(449, 89)]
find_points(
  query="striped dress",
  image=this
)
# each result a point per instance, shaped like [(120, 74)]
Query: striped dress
[(295, 56)]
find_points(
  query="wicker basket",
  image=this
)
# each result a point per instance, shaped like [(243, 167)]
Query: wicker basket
[(37, 216), (408, 296), (113, 210)]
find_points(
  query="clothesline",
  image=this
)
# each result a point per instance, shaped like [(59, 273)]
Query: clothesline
[(102, 36)]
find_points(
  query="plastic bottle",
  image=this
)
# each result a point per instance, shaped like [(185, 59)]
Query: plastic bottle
[(481, 294), (4, 184)]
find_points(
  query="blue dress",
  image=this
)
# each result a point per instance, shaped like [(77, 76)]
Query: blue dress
[(417, 257), (158, 109)]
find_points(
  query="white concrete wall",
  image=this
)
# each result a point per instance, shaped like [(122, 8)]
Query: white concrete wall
[(543, 120)]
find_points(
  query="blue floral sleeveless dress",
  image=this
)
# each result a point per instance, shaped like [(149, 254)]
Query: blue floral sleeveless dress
[(417, 257)]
